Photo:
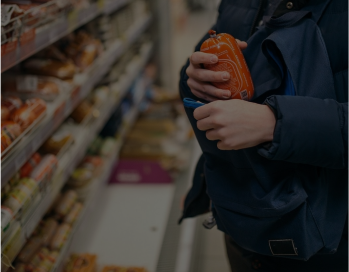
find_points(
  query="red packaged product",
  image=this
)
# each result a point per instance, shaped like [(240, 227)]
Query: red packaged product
[(23, 116), (5, 113), (37, 105), (9, 132), (43, 173), (30, 111), (12, 102), (230, 59), (28, 167)]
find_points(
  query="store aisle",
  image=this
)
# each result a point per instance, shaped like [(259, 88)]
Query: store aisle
[(209, 249)]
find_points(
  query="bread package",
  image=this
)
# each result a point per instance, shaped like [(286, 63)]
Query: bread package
[(29, 86), (48, 67)]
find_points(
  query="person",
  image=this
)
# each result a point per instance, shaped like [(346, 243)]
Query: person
[(274, 169)]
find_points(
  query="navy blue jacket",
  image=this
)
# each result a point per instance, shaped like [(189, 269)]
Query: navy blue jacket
[(294, 188)]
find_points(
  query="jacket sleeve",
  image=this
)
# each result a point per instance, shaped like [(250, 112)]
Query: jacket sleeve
[(309, 130)]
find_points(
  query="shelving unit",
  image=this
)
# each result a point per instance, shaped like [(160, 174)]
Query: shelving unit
[(66, 23), (66, 103), (60, 109)]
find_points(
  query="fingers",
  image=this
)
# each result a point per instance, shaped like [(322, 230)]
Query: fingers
[(206, 90), (201, 113), (241, 44), (206, 111), (203, 96), (199, 57), (204, 75)]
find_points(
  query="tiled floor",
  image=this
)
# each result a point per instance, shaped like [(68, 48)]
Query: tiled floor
[(188, 31)]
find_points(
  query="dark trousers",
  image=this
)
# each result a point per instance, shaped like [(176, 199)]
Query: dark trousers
[(242, 260)]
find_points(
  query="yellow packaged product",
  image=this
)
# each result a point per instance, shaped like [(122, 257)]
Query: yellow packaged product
[(57, 141), (73, 214), (11, 247), (60, 237), (81, 263), (28, 185), (66, 202), (6, 220), (46, 230), (17, 199), (37, 259)]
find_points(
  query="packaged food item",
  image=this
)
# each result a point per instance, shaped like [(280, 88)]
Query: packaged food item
[(38, 106), (28, 251), (15, 179), (29, 112), (83, 49), (92, 162), (37, 258), (71, 217), (46, 230), (5, 113), (230, 59), (53, 256), (57, 141), (43, 172), (66, 202), (29, 166), (81, 263), (100, 95), (44, 266), (11, 246), (30, 86), (95, 146), (17, 198), (9, 132), (6, 219), (11, 128), (60, 236), (48, 67), (84, 109), (29, 186), (107, 147), (80, 177), (11, 103)]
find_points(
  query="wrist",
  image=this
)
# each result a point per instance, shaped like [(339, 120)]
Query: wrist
[(268, 124)]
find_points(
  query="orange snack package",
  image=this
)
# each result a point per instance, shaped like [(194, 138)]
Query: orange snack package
[(230, 59)]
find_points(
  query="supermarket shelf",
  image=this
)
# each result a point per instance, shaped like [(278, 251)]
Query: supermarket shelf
[(62, 108), (70, 161), (54, 31), (98, 184)]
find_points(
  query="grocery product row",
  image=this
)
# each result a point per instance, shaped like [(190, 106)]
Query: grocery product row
[(45, 89), (67, 146), (29, 26)]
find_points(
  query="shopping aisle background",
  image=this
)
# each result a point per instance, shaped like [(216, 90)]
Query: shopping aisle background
[(189, 27)]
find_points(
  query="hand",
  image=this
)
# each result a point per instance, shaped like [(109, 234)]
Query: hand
[(237, 124), (200, 79)]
